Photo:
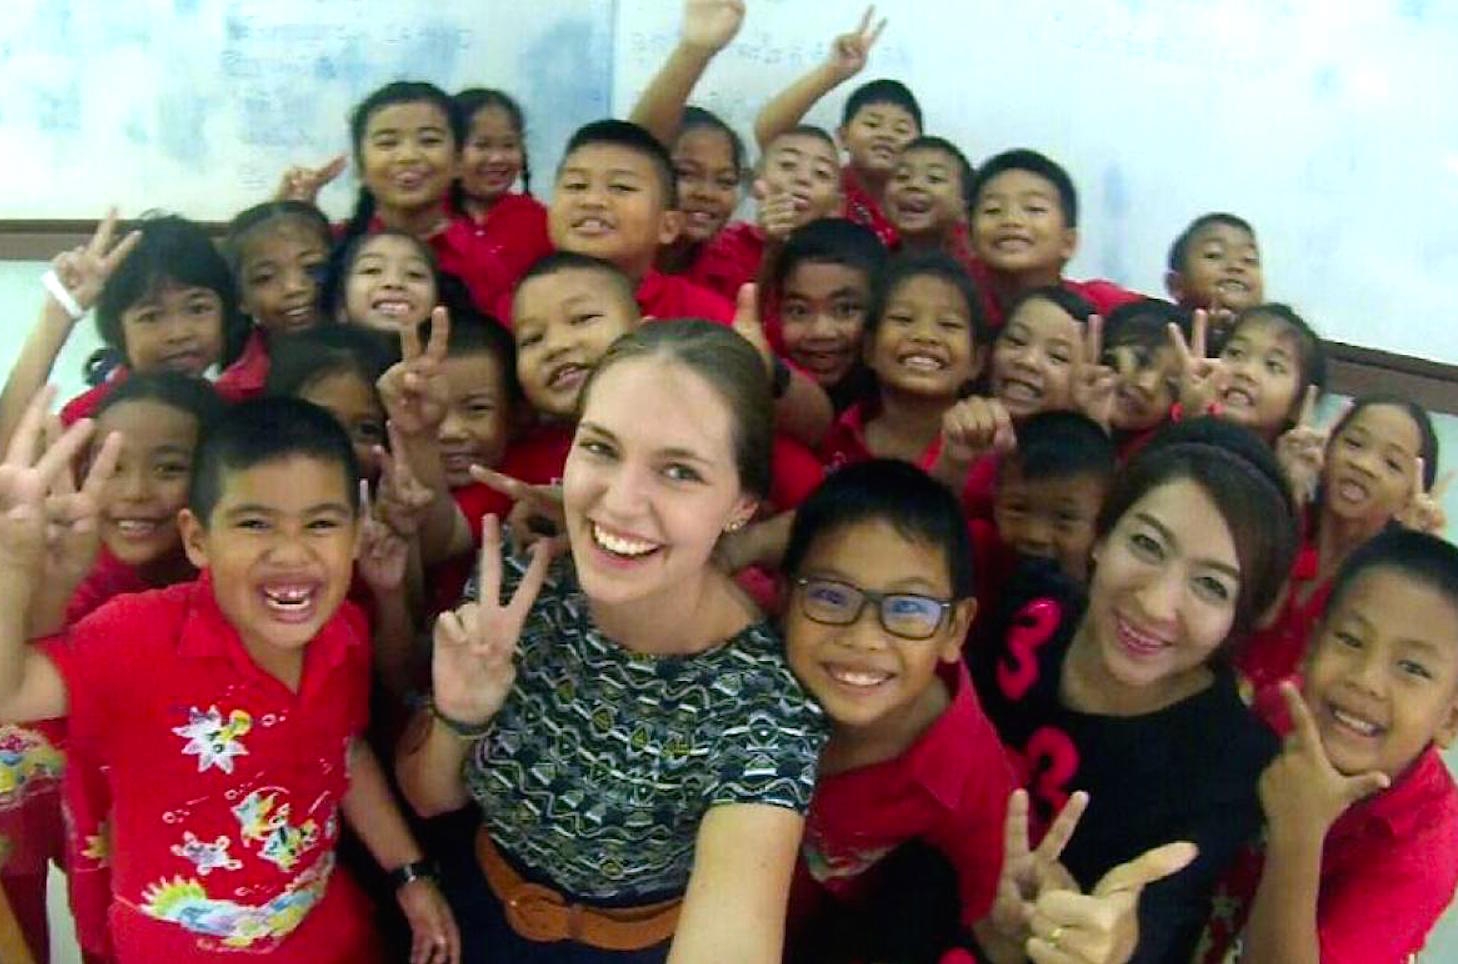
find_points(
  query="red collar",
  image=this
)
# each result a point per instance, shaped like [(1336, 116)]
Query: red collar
[(207, 634), (1399, 810), (927, 757)]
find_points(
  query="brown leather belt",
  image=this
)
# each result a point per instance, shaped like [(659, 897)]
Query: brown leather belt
[(541, 914)]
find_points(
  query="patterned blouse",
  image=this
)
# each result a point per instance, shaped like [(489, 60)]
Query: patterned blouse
[(602, 762)]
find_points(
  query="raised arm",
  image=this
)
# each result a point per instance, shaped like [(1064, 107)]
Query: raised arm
[(847, 58), (79, 274), (708, 27), (472, 671), (734, 909), (31, 687)]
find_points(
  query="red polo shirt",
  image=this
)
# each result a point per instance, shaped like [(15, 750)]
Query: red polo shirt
[(225, 785), (245, 378), (864, 209), (845, 443), (667, 296), (949, 789), (1270, 655), (513, 231), (86, 404), (538, 456), (729, 259), (448, 579), (1105, 296), (1389, 869)]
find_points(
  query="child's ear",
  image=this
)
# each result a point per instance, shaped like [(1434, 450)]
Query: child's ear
[(961, 618), (1174, 283), (194, 538), (670, 226), (1448, 729), (1068, 244)]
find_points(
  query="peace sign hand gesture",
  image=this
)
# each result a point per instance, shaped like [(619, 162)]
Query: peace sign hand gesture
[(1091, 382), (401, 499), (383, 554), (300, 183), (1424, 509), (536, 513), (849, 51), (31, 470), (414, 390), (1202, 379), (73, 515), (1301, 792), (84, 269), (1102, 927), (1301, 450), (473, 665), (1027, 871)]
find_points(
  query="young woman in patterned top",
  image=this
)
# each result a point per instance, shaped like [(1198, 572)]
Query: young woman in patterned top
[(641, 755)]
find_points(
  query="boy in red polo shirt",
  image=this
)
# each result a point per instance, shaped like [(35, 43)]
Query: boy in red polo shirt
[(1025, 229), (911, 757), (1362, 815), (880, 118), (227, 711)]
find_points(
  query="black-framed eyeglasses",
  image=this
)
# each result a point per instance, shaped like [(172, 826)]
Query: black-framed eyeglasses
[(908, 615)]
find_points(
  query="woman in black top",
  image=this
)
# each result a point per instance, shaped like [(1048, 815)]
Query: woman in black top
[(1124, 693)]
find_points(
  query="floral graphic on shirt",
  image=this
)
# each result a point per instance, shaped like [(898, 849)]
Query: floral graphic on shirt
[(265, 821), (206, 857), (187, 903), (214, 740), (26, 760), (825, 867), (98, 845)]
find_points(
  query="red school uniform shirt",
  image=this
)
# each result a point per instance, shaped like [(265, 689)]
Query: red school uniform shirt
[(729, 259), (666, 296), (225, 785), (1270, 655), (949, 790), (246, 377), (1389, 868), (514, 232), (862, 208), (845, 443), (86, 404), (1103, 295)]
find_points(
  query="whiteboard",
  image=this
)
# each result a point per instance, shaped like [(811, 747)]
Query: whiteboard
[(1333, 127), (197, 106)]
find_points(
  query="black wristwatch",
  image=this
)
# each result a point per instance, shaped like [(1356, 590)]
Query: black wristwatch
[(411, 872), (781, 379), (466, 731)]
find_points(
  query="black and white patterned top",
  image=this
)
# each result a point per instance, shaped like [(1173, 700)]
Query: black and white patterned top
[(602, 762)]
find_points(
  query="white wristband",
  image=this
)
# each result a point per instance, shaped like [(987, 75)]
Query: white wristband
[(52, 283)]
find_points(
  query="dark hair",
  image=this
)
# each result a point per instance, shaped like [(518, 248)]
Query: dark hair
[(185, 393), (471, 102), (398, 92), (253, 219), (1062, 445), (473, 333), (1427, 435), (905, 267), (1417, 556), (718, 355), (1056, 295), (172, 250), (891, 491), (261, 431), (965, 172), (1144, 323), (829, 241), (631, 137), (1240, 474), (804, 130), (1179, 252), (1310, 351), (881, 91), (301, 360), (697, 118), (1034, 163), (348, 252), (559, 261)]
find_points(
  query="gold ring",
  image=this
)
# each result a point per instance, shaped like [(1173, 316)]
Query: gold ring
[(1055, 937)]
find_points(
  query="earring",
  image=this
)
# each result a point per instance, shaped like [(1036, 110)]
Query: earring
[(734, 526)]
